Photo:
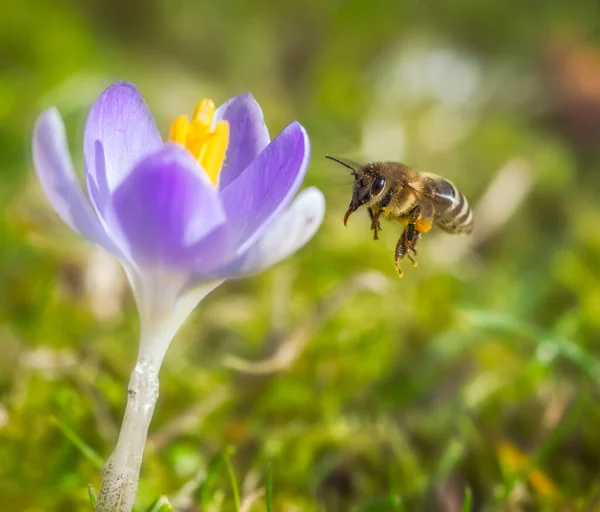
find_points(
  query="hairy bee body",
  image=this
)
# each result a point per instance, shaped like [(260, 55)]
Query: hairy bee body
[(417, 199)]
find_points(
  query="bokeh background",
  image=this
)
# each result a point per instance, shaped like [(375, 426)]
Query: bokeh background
[(470, 384)]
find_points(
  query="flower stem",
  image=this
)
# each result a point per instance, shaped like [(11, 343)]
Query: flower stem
[(122, 469)]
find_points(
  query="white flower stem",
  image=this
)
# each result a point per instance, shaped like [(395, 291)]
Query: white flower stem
[(163, 307), (122, 469)]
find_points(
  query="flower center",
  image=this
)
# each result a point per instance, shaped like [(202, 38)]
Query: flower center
[(207, 144)]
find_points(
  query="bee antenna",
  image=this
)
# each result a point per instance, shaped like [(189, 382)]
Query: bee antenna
[(354, 173)]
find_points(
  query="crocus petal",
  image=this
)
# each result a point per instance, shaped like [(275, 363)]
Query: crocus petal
[(55, 171), (166, 207), (120, 131), (288, 233), (266, 187), (248, 135)]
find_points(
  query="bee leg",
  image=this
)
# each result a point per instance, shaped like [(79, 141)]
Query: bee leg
[(412, 236), (413, 246), (399, 254), (375, 224), (402, 249), (413, 217), (412, 233)]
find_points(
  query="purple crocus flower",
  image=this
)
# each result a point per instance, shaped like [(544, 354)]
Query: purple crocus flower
[(213, 203), (156, 208)]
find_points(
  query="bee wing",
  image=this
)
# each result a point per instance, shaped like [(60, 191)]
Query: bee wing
[(426, 206), (445, 193)]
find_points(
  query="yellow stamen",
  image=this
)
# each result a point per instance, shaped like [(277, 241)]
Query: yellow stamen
[(213, 152), (204, 111), (208, 146), (179, 130)]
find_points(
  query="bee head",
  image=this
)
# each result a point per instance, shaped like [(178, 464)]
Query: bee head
[(369, 185)]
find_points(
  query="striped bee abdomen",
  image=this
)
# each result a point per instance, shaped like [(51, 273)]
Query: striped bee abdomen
[(452, 211)]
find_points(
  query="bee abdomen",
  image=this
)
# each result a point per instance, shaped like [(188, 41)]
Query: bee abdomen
[(453, 213)]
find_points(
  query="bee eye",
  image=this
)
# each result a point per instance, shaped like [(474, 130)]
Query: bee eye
[(378, 185)]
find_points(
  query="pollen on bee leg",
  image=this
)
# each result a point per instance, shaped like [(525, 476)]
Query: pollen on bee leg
[(423, 225), (399, 272)]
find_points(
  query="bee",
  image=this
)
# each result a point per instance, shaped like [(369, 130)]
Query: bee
[(417, 199)]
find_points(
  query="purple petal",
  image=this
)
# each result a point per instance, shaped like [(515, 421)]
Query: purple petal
[(248, 135), (55, 171), (120, 131), (288, 233), (165, 209), (266, 187)]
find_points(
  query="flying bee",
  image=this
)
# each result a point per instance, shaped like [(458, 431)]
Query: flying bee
[(417, 199)]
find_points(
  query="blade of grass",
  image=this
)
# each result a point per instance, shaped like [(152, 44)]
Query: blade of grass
[(270, 489), (233, 480), (212, 473), (450, 458), (551, 344), (160, 504), (83, 448), (468, 503), (383, 505), (92, 495)]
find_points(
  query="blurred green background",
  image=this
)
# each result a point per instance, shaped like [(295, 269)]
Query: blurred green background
[(361, 392)]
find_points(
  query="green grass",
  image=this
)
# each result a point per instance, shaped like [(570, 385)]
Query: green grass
[(234, 484)]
